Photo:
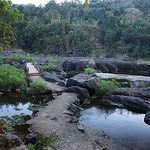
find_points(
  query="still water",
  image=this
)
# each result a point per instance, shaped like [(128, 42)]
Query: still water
[(123, 126), (14, 104)]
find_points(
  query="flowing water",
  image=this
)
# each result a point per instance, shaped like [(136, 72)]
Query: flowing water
[(124, 127)]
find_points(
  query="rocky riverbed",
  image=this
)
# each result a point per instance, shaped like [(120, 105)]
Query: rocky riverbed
[(68, 98)]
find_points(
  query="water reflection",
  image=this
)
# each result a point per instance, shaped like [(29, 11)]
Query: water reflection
[(123, 126), (14, 104)]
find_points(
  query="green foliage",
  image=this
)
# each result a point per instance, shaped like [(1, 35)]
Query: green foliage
[(47, 68), (106, 86), (9, 15), (11, 78), (1, 61), (44, 140), (14, 120), (18, 57), (7, 127), (70, 29), (89, 71), (38, 87), (33, 106), (57, 62)]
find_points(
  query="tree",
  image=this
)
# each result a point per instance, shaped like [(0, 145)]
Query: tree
[(8, 16)]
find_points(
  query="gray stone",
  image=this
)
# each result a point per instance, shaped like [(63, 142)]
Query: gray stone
[(31, 137), (81, 127), (147, 118)]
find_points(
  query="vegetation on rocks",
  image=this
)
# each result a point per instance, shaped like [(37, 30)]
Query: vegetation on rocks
[(14, 120), (47, 68), (106, 86), (89, 71), (44, 140), (11, 78), (18, 57), (38, 87)]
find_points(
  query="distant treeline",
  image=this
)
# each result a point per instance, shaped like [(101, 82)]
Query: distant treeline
[(111, 26)]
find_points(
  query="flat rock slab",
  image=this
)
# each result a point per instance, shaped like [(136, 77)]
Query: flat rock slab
[(89, 81), (53, 119), (31, 69)]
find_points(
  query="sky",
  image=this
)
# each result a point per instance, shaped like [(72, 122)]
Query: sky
[(36, 2)]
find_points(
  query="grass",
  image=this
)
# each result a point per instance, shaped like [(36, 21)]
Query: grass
[(18, 57), (44, 141)]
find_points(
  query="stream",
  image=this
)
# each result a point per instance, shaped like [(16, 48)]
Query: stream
[(123, 126)]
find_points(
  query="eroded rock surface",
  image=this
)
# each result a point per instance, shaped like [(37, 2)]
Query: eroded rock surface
[(56, 117)]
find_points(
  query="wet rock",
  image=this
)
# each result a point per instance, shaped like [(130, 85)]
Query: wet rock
[(106, 65), (81, 127), (73, 73), (69, 65), (75, 109), (50, 77), (8, 141), (27, 117), (83, 94), (143, 93), (129, 102), (31, 137), (82, 80), (84, 63), (147, 118)]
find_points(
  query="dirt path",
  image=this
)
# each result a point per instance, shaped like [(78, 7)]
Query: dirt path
[(53, 118)]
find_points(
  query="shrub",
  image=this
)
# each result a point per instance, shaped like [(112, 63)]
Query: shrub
[(106, 86), (11, 78), (57, 62), (89, 71), (38, 87), (17, 57), (47, 67), (44, 140)]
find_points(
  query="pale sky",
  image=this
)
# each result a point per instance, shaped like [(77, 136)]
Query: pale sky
[(36, 2)]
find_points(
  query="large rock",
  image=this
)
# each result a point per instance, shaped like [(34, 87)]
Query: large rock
[(8, 141), (84, 63), (82, 80), (52, 77), (129, 102), (137, 99), (82, 93), (106, 65)]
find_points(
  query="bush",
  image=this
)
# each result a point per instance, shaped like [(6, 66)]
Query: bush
[(106, 86), (89, 71), (47, 68), (57, 62), (11, 78), (44, 140), (38, 87), (17, 57)]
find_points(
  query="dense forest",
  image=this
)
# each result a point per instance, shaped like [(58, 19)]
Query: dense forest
[(112, 27)]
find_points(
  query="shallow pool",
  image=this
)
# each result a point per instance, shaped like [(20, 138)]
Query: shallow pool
[(14, 104), (123, 126)]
